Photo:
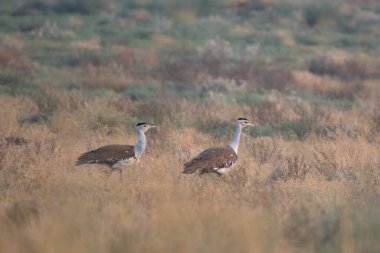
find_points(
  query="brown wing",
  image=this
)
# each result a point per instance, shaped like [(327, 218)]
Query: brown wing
[(208, 160), (108, 154)]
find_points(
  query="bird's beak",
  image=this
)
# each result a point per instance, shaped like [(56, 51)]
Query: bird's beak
[(250, 124), (152, 126)]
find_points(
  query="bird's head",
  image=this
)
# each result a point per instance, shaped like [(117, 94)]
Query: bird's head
[(244, 122), (143, 126)]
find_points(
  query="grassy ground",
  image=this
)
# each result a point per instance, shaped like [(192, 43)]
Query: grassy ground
[(75, 75)]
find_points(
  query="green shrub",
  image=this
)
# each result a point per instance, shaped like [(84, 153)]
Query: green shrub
[(178, 65), (350, 69), (17, 82), (32, 8), (316, 12), (200, 7), (251, 98), (141, 91), (306, 39), (330, 99), (290, 129), (214, 127), (79, 58), (81, 6)]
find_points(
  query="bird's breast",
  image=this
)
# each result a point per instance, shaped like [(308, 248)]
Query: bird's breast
[(226, 167), (124, 163)]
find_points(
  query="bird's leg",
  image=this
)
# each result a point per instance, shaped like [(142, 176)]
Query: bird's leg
[(121, 175)]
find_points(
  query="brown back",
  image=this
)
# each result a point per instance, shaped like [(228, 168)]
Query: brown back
[(208, 160), (108, 154)]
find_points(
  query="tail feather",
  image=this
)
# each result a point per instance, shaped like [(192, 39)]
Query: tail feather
[(85, 158), (189, 169)]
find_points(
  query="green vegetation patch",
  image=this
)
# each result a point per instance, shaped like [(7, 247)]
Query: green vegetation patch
[(17, 83), (289, 129), (249, 98), (317, 100), (214, 127), (141, 91)]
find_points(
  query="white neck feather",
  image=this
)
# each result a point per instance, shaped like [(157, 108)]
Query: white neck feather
[(139, 147), (235, 141)]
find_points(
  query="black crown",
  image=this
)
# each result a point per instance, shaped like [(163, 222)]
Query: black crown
[(139, 124), (241, 119)]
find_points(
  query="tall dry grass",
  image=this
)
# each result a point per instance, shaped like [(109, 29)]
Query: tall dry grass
[(307, 179), (315, 195)]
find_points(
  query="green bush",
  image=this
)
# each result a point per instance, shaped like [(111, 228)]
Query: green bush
[(178, 65), (31, 8), (289, 129), (306, 39), (316, 12), (251, 98), (77, 58), (141, 91), (17, 82), (81, 6), (214, 127), (351, 69)]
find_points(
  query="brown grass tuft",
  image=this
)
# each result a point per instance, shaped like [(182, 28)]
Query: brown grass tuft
[(25, 212), (342, 65)]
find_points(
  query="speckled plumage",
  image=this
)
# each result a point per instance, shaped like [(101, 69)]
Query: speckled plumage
[(116, 156), (217, 159), (108, 155)]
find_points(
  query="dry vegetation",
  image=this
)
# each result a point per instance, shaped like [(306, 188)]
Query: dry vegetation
[(75, 75)]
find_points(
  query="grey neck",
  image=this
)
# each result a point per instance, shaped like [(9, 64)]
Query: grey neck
[(235, 141), (139, 147)]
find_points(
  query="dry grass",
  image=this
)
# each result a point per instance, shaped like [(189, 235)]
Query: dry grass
[(308, 80), (307, 179), (339, 63), (284, 195)]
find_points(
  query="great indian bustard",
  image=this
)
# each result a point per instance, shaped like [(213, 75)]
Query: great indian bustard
[(116, 156), (218, 159)]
